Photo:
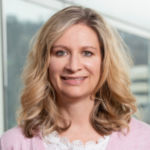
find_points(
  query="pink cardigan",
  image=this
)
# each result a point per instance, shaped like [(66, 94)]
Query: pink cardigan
[(137, 139)]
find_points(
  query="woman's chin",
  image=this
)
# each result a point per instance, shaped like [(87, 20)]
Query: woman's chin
[(73, 95)]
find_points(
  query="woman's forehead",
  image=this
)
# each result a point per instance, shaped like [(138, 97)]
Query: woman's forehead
[(78, 34)]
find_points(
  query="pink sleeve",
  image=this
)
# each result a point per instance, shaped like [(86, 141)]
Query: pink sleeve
[(14, 139), (137, 139)]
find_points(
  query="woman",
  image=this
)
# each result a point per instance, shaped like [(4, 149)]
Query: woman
[(77, 89)]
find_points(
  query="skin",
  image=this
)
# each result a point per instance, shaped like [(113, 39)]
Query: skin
[(76, 53)]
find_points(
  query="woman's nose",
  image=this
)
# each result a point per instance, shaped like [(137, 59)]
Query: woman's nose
[(74, 63)]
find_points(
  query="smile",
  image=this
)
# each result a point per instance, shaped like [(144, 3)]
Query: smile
[(73, 80)]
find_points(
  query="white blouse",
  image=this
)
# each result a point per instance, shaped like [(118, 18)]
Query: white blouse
[(58, 143)]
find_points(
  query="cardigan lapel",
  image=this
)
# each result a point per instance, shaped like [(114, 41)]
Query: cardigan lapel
[(117, 139), (39, 143), (112, 144)]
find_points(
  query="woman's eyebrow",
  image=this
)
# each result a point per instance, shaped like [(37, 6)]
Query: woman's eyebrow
[(91, 47), (60, 46), (65, 47)]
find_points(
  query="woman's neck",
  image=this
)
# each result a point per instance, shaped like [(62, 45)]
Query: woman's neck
[(79, 114)]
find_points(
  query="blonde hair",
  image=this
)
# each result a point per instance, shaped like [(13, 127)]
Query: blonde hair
[(114, 102)]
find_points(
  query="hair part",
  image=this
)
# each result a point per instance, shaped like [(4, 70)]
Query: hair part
[(114, 102)]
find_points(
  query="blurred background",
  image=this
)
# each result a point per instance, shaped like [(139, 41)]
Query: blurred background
[(21, 19)]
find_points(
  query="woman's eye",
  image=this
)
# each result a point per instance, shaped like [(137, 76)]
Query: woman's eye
[(86, 53), (61, 53)]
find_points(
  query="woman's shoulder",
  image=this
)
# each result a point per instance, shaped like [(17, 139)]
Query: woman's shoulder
[(16, 140), (135, 139), (12, 134), (138, 130), (137, 126), (12, 138)]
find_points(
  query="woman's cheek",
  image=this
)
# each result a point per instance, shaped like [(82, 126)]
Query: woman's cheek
[(56, 65), (93, 65)]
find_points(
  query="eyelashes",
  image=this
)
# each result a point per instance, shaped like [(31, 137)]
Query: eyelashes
[(63, 53), (87, 53)]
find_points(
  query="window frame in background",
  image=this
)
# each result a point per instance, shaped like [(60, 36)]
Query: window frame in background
[(2, 36)]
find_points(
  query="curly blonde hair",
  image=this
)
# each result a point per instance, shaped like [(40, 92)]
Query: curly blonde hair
[(114, 102)]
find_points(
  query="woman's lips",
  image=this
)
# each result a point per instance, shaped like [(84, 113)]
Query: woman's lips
[(73, 80)]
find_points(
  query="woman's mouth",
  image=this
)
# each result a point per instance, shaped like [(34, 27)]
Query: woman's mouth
[(73, 80)]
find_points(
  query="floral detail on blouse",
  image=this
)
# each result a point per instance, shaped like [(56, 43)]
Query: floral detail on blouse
[(58, 143)]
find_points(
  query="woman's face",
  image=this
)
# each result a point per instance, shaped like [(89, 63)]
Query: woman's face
[(75, 62)]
